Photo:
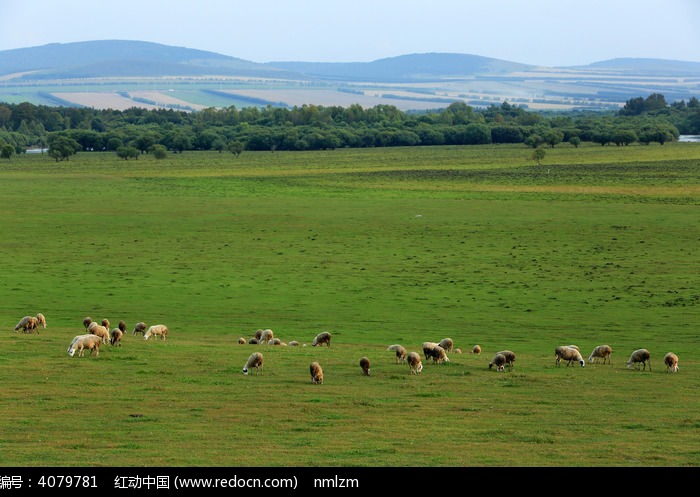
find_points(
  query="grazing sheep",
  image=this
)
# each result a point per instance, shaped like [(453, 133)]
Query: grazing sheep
[(253, 341), (601, 352), (509, 355), (568, 354), (140, 327), (122, 326), (116, 338), (242, 340), (438, 355), (427, 349), (574, 347), (322, 338), (42, 320), (274, 341), (258, 334), (458, 350), (266, 336), (293, 343), (316, 372), (100, 331), (85, 342), (671, 361), (28, 324), (364, 364), (86, 322), (499, 360), (156, 330), (447, 344), (476, 349), (255, 360), (105, 323), (400, 352), (414, 363), (639, 356)]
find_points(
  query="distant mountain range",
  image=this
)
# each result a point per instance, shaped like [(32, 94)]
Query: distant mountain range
[(449, 77)]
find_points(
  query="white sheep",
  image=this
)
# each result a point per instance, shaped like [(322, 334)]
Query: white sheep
[(438, 355), (255, 360), (99, 330), (364, 365), (603, 352), (85, 342), (671, 361), (447, 344), (639, 356), (42, 320), (427, 349), (160, 330), (414, 363), (509, 355), (400, 352), (265, 336), (568, 354), (322, 338), (316, 372), (499, 360), (253, 341), (28, 324), (140, 327), (476, 349), (293, 343)]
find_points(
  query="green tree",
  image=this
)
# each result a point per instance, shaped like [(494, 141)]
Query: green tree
[(6, 150), (159, 151), (62, 147), (538, 155), (127, 153), (236, 148)]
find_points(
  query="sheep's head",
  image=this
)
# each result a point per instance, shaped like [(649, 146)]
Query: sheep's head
[(245, 371), (582, 363)]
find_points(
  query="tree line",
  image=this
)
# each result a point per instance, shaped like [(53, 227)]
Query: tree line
[(131, 132)]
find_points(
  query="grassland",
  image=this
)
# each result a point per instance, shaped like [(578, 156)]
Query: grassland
[(596, 245)]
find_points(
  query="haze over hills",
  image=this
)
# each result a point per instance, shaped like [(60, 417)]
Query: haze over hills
[(121, 74)]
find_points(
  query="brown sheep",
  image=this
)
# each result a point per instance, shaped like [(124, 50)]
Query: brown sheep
[(316, 373), (140, 327), (255, 360), (671, 361), (476, 349), (400, 352), (499, 360), (116, 338), (242, 341), (639, 356), (364, 364), (509, 355), (86, 322), (447, 344), (100, 331), (438, 355), (414, 363), (28, 324), (321, 339), (266, 336), (601, 352), (427, 349), (105, 323), (122, 326)]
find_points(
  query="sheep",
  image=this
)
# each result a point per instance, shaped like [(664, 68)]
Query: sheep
[(601, 352), (255, 360), (438, 354), (568, 354), (253, 341), (82, 342), (42, 320), (671, 361), (265, 336), (122, 326), (427, 348), (258, 334), (316, 373), (293, 343), (242, 341), (28, 324), (639, 356), (400, 352), (499, 360), (274, 341), (476, 349), (100, 331), (364, 364), (321, 339), (156, 330), (509, 355), (447, 344), (458, 350), (105, 323), (414, 363), (86, 322), (116, 338), (139, 327)]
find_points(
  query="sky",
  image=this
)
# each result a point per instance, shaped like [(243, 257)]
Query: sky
[(539, 32)]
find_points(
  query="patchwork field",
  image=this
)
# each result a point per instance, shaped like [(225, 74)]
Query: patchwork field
[(598, 245)]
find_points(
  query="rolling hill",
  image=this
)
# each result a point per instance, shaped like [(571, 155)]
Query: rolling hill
[(122, 73)]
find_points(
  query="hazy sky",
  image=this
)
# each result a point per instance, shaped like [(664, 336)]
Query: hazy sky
[(542, 32)]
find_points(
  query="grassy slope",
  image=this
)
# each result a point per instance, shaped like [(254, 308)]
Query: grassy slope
[(378, 247)]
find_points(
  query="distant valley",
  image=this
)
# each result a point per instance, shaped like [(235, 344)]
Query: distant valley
[(120, 74)]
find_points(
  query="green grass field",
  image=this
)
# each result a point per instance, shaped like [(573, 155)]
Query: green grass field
[(378, 246)]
